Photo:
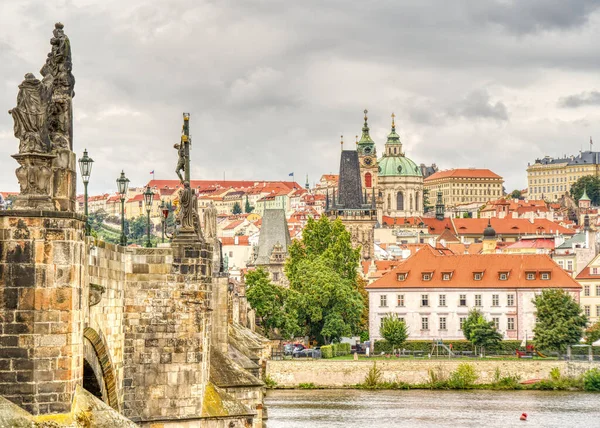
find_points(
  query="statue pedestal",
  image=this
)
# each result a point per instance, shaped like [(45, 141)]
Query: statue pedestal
[(34, 177), (64, 180)]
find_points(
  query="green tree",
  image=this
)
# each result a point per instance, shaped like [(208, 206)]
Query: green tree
[(559, 320), (322, 270), (137, 228), (248, 208), (328, 306), (591, 184), (426, 205), (592, 333), (394, 331), (269, 301), (516, 194), (479, 331), (237, 209)]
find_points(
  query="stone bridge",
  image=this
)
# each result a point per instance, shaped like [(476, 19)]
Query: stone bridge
[(148, 331)]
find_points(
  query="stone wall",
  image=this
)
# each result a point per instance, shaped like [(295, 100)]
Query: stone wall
[(337, 374), (42, 265)]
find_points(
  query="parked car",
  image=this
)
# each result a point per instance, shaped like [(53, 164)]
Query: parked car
[(290, 348), (307, 353)]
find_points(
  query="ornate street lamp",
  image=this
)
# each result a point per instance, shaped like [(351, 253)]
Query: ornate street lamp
[(148, 197), (85, 167), (165, 214), (122, 185)]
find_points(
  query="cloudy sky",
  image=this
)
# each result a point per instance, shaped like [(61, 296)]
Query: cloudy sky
[(271, 85)]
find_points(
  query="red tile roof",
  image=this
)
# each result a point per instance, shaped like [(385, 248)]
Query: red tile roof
[(233, 224), (381, 265), (509, 226), (242, 240), (435, 226), (586, 273), (541, 243), (463, 267), (463, 173)]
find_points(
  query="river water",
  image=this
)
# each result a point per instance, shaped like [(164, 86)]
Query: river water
[(422, 408)]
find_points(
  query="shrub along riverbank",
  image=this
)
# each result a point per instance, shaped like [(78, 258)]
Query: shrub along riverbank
[(465, 377)]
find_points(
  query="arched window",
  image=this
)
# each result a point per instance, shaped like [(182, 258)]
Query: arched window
[(389, 202), (400, 201), (411, 202), (368, 180), (417, 201)]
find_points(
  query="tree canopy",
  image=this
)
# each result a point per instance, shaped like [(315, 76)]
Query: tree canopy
[(393, 330), (479, 331), (591, 184), (269, 301), (592, 333), (237, 209), (248, 208), (325, 288), (559, 320), (516, 194)]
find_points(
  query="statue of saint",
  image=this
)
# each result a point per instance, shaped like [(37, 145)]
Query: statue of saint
[(180, 160), (210, 221), (188, 211), (29, 116)]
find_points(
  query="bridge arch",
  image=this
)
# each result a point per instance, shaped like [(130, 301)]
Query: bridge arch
[(97, 365)]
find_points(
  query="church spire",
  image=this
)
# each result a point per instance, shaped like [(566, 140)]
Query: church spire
[(366, 137), (307, 185), (393, 145)]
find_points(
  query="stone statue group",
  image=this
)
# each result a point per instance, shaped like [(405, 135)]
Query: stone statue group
[(43, 124)]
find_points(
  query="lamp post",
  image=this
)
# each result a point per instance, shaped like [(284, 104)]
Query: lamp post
[(85, 167), (165, 214), (122, 185), (148, 197)]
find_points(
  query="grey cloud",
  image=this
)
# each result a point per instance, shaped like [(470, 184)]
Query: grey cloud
[(531, 16), (478, 105), (591, 98)]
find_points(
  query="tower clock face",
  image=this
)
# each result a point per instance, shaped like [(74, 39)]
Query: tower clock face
[(368, 161), (367, 150)]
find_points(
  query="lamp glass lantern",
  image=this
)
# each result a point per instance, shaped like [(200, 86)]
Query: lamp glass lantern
[(148, 198), (85, 167), (122, 186)]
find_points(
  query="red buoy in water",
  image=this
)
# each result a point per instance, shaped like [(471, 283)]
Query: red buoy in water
[(523, 416)]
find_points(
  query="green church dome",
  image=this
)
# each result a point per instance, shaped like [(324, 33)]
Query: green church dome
[(398, 166)]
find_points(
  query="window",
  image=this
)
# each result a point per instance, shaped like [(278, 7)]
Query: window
[(586, 310), (545, 276), (424, 299), (597, 290), (495, 300), (383, 300), (442, 323), (426, 276), (275, 276), (530, 276), (477, 276), (510, 323), (462, 300), (586, 290), (442, 300), (510, 300), (401, 276), (446, 277), (496, 322), (598, 310), (594, 271), (478, 300), (400, 299), (503, 276), (424, 323), (461, 321)]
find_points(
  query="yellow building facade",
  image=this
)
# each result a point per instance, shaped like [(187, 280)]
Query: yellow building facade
[(550, 178), (464, 186)]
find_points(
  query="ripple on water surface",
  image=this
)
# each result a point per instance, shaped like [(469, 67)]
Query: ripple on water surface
[(421, 408)]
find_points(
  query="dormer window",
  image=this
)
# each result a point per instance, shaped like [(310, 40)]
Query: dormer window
[(530, 276), (401, 277), (503, 276), (545, 276), (446, 276), (477, 276), (426, 276)]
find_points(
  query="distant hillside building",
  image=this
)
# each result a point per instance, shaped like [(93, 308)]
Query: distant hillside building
[(465, 185), (549, 178)]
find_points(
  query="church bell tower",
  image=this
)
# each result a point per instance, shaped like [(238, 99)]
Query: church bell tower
[(367, 156)]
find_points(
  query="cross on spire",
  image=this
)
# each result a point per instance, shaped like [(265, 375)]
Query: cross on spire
[(393, 121)]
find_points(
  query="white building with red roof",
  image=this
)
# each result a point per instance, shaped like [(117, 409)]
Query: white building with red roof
[(433, 291)]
